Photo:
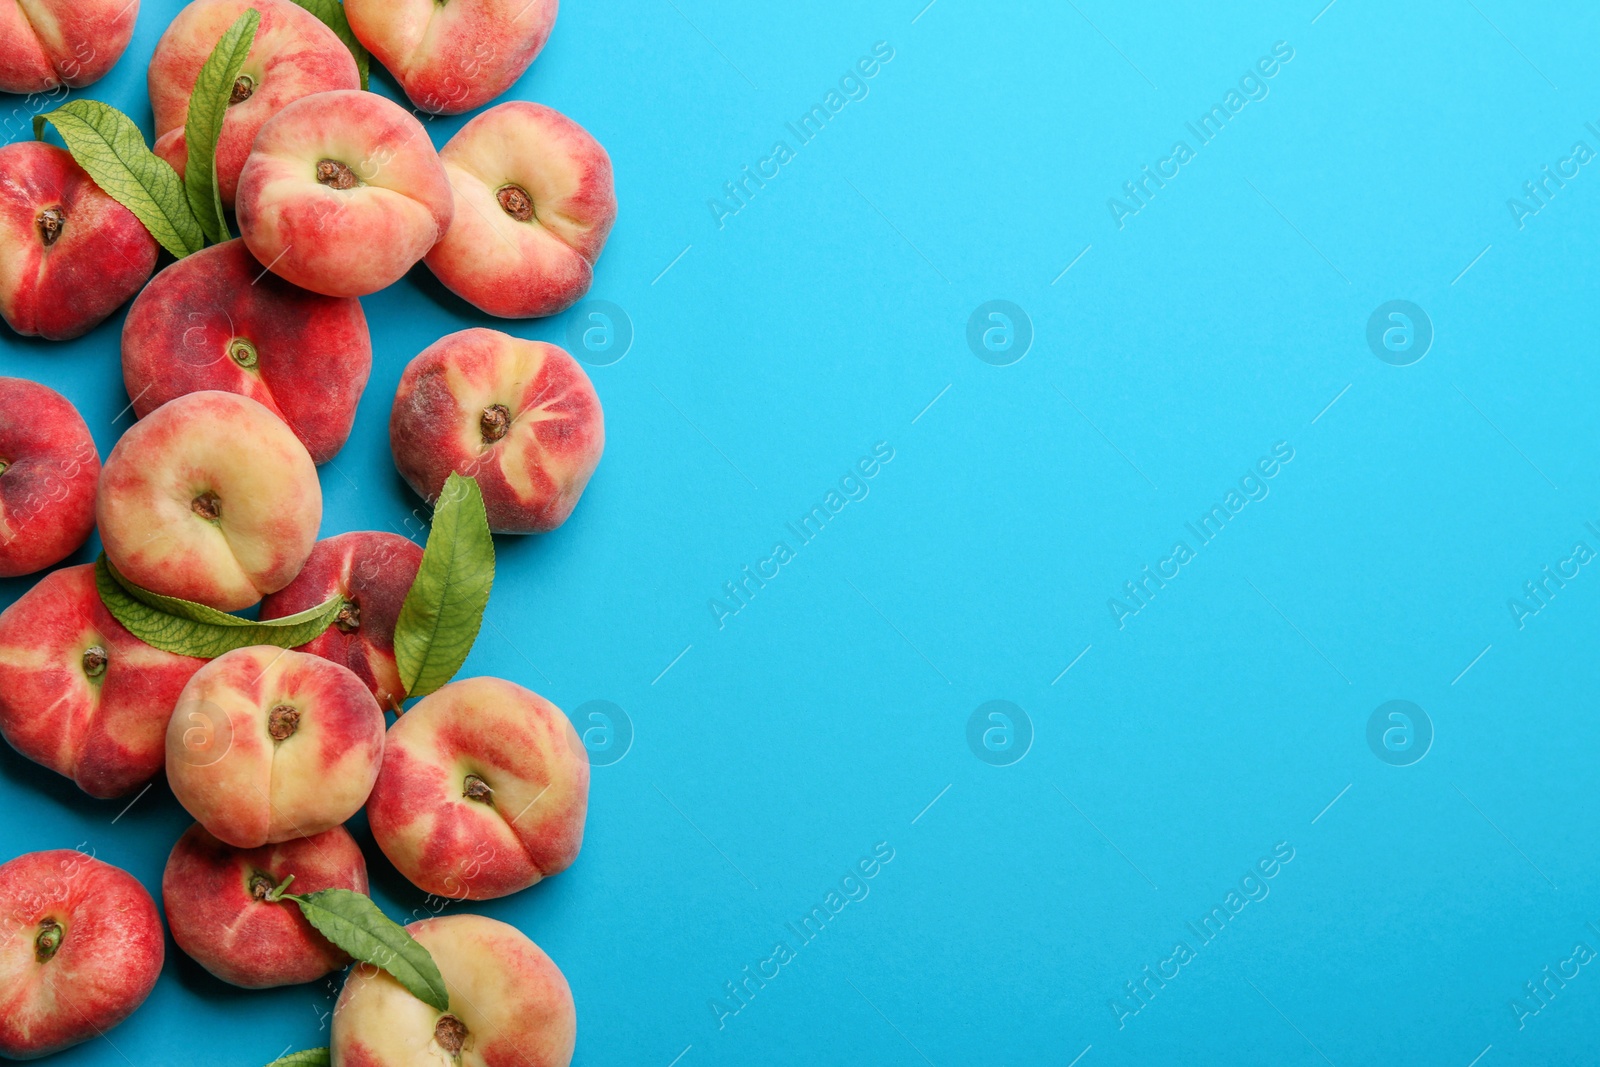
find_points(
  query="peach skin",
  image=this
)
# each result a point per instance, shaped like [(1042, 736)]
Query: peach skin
[(266, 745), (373, 572), (453, 57), (293, 55), (343, 193), (48, 473), (47, 44), (483, 791), (209, 498), (81, 695), (69, 254), (510, 1005), (215, 900), (520, 416), (534, 203), (70, 922), (218, 320)]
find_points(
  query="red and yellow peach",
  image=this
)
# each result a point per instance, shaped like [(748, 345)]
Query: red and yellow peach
[(509, 1004), (453, 57), (218, 320), (483, 791), (267, 744), (210, 498), (520, 416), (534, 203), (216, 900), (372, 572), (69, 254), (343, 193), (49, 469), (47, 44), (80, 694), (80, 950), (293, 55)]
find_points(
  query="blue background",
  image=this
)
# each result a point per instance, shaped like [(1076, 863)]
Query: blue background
[(1229, 715)]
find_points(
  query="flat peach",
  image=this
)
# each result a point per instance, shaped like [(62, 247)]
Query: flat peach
[(46, 44), (219, 320), (69, 254), (266, 745), (510, 1005), (483, 791), (534, 203), (453, 57), (49, 469), (209, 498), (81, 695), (343, 193), (80, 950), (520, 416), (215, 900), (373, 572), (293, 55)]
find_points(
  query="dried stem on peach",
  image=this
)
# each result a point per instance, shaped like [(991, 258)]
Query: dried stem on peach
[(451, 1034), (495, 423), (48, 941), (208, 506), (475, 788), (515, 201), (336, 175), (51, 221), (349, 618), (283, 721)]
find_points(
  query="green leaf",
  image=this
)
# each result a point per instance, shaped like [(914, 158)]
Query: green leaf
[(331, 12), (189, 629), (442, 611), (354, 923), (107, 144), (311, 1057), (208, 105)]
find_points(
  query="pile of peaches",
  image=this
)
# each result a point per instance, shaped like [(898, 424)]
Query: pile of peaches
[(245, 361)]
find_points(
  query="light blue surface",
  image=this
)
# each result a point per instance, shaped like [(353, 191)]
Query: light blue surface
[(1226, 718)]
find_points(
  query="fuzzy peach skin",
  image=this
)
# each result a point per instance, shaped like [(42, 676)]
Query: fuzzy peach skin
[(343, 193), (218, 320), (45, 44), (69, 254), (534, 203), (211, 498), (455, 56), (80, 950), (81, 695), (48, 472), (293, 55), (483, 791), (373, 572), (215, 899), (520, 416), (266, 745), (510, 1005)]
